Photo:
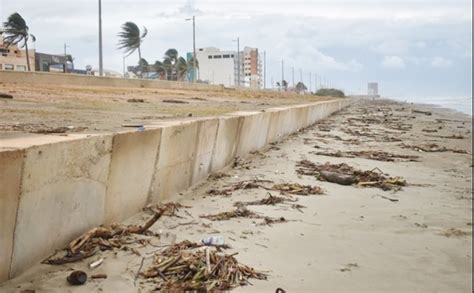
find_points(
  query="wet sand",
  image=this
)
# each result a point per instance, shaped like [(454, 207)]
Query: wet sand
[(351, 239)]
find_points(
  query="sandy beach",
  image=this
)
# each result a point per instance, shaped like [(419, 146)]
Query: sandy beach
[(414, 237)]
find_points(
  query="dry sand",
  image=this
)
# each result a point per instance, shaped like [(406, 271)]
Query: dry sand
[(350, 239), (106, 109)]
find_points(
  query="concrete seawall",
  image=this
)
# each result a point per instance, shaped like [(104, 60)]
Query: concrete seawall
[(53, 188)]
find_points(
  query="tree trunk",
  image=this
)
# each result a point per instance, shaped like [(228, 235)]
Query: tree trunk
[(27, 55), (139, 60)]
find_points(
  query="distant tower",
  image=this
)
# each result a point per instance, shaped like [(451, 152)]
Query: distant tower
[(373, 89)]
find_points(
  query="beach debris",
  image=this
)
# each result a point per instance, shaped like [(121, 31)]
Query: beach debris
[(132, 125), (454, 136), (198, 99), (348, 267), (134, 100), (245, 184), (51, 130), (217, 176), (99, 276), (268, 200), (298, 189), (428, 113), (280, 290), (453, 232), (239, 212), (240, 163), (103, 238), (173, 101), (429, 130), (346, 175), (170, 209), (96, 263), (214, 240), (431, 148), (77, 278), (5, 96), (243, 212), (186, 267), (372, 155), (387, 198)]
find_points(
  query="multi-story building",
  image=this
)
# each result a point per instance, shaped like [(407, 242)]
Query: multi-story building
[(13, 58), (373, 89), (252, 68)]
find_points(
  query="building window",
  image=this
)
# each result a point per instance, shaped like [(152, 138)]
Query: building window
[(217, 56), (21, 67), (210, 56), (9, 67), (226, 56), (232, 56)]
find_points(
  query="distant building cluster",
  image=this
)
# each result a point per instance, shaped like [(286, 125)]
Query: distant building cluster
[(14, 59), (228, 68)]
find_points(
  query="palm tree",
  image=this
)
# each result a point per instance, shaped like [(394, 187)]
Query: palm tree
[(131, 38), (171, 59), (16, 31)]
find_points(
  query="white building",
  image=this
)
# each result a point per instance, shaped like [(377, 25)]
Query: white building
[(219, 67), (373, 89)]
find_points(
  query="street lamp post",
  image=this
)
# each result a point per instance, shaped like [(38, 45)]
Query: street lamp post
[(238, 61), (194, 47), (101, 64), (65, 58), (264, 69)]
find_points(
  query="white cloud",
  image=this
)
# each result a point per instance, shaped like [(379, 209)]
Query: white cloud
[(440, 62), (393, 62)]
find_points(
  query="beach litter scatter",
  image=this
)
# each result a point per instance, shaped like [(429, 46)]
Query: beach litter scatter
[(186, 266), (243, 212), (77, 278), (103, 238), (268, 200), (372, 155), (246, 184), (284, 188), (344, 174), (431, 148)]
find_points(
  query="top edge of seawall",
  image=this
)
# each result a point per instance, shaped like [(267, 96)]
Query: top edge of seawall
[(21, 141)]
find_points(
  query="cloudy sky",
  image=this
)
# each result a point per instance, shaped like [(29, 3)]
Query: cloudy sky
[(417, 48)]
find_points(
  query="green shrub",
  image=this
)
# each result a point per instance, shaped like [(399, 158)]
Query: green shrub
[(330, 92)]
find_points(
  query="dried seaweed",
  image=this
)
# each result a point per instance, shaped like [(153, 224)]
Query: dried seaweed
[(432, 148), (245, 184), (372, 155), (184, 267), (102, 238), (269, 200), (346, 175), (239, 212), (298, 189)]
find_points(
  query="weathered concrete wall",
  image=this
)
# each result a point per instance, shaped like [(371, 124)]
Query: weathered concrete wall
[(87, 80), (11, 163), (53, 188), (134, 156)]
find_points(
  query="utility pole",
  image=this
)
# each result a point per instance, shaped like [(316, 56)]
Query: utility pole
[(123, 62), (293, 76), (65, 58), (301, 75), (264, 69), (101, 64), (194, 48), (310, 82), (238, 61), (282, 73), (315, 82)]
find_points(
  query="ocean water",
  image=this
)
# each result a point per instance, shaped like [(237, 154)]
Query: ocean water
[(460, 104)]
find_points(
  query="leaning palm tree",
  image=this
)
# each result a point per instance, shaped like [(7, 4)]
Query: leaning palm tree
[(16, 31), (131, 38), (171, 58)]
